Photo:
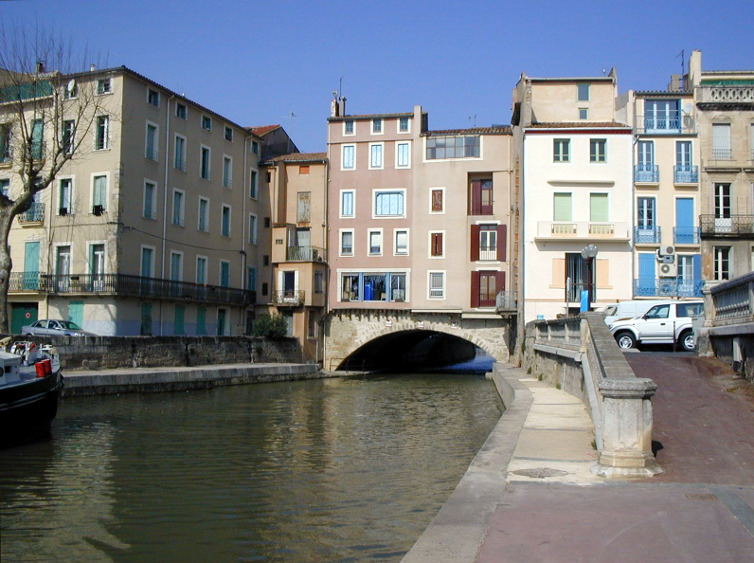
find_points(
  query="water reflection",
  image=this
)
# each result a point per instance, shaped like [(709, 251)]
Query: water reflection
[(336, 470)]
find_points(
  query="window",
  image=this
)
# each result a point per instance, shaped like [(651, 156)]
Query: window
[(102, 133), (225, 221), (228, 133), (206, 123), (403, 125), (373, 286), (722, 204), (583, 113), (436, 200), (150, 200), (582, 92), (346, 243), (375, 155), (347, 203), (402, 155), (178, 208), (180, 111), (485, 286), (5, 187), (348, 127), (201, 270), (104, 86), (71, 90), (436, 285), (598, 209), (561, 150), (376, 126), (455, 146), (227, 172), (203, 219), (251, 278), (266, 222), (662, 116), (6, 130), (436, 249), (597, 150), (562, 207), (578, 272), (480, 197), (488, 242), (646, 218), (255, 147), (401, 242), (253, 229), (99, 193), (224, 278), (153, 97), (253, 189), (176, 266), (37, 139), (303, 170), (389, 203), (375, 242), (97, 266), (68, 140), (721, 141), (204, 162), (303, 207), (348, 161), (65, 196), (721, 264), (180, 153), (151, 142), (265, 262), (147, 261)]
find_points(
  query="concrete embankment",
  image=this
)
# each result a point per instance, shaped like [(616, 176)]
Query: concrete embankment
[(158, 379)]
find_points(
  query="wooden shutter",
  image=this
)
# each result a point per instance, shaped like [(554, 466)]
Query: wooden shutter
[(436, 243), (475, 276), (502, 231), (437, 201), (500, 282), (475, 197), (474, 243)]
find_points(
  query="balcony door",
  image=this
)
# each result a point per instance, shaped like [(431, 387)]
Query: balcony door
[(31, 266), (646, 282), (646, 214), (684, 220), (97, 266), (63, 269), (723, 219)]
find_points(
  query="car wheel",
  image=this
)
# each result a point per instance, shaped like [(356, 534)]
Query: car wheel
[(625, 340), (687, 340)]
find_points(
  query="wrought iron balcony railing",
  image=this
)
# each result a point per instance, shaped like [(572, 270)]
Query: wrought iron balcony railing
[(289, 297), (129, 286), (686, 235), (643, 235), (686, 174), (306, 254), (667, 287), (646, 173), (670, 123), (733, 225), (35, 214)]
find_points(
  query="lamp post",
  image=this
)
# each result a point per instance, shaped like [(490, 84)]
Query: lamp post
[(589, 253)]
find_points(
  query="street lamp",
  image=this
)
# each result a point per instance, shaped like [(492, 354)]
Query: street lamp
[(589, 253)]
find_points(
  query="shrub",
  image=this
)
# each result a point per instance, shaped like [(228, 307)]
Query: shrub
[(271, 326)]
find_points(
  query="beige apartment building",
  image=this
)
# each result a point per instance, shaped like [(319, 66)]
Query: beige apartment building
[(148, 230), (724, 104)]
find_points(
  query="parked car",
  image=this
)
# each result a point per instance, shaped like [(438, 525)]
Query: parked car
[(627, 309), (667, 322), (51, 327)]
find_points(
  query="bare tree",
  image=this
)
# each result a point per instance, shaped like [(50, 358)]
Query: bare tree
[(47, 108)]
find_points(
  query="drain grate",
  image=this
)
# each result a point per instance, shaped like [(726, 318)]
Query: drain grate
[(540, 472)]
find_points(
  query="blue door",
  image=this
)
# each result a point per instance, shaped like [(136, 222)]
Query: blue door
[(684, 220), (645, 285), (31, 265)]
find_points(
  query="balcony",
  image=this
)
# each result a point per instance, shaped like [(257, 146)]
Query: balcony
[(671, 123), (505, 301), (686, 235), (667, 287), (722, 154), (128, 286), (643, 235), (289, 297), (725, 94), (35, 214), (646, 173), (582, 230), (686, 174), (731, 226), (305, 254)]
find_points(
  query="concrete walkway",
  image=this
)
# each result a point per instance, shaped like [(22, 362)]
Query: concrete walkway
[(530, 495)]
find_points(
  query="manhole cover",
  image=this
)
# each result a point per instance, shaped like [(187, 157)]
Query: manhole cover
[(540, 472)]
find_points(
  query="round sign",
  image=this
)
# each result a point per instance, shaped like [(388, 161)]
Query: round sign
[(28, 315)]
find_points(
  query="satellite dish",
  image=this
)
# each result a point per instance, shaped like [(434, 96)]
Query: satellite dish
[(71, 86), (687, 108)]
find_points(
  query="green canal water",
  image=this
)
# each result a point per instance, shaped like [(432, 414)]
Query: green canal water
[(325, 470)]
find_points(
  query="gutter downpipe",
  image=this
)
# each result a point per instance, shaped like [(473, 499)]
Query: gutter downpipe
[(327, 247), (165, 199), (243, 284)]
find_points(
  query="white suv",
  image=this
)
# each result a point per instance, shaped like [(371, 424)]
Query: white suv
[(665, 323)]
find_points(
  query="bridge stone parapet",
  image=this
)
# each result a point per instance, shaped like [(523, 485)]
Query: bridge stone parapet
[(580, 356), (348, 330)]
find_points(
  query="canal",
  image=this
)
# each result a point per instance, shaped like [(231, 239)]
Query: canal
[(323, 470)]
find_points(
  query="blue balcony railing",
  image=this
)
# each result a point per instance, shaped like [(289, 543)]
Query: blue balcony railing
[(686, 174), (667, 287), (35, 214), (686, 235), (643, 235), (649, 173)]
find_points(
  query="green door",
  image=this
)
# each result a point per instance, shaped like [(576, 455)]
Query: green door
[(76, 312), (22, 314)]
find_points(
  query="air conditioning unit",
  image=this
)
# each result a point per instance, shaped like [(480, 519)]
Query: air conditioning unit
[(667, 250), (668, 270), (98, 210), (63, 211)]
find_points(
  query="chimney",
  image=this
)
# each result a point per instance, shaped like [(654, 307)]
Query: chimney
[(675, 83), (40, 67), (342, 106)]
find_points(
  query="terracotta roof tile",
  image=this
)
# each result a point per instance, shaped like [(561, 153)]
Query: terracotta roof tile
[(263, 129), (300, 157), (495, 130), (579, 125)]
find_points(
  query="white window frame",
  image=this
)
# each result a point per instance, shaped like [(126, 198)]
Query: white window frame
[(181, 111), (222, 263), (398, 164), (353, 204), (153, 204), (206, 122), (373, 123), (228, 133), (106, 139), (398, 125), (155, 156), (104, 86), (341, 232), (381, 152), (227, 171), (153, 250), (395, 242), (202, 148), (599, 158), (716, 263), (182, 164), (151, 91), (442, 190), (253, 229), (429, 245), (205, 260), (72, 181), (253, 183), (178, 216), (583, 113), (206, 214), (230, 217), (442, 289), (588, 92), (376, 192), (379, 232), (345, 130), (179, 254), (91, 189), (558, 157), (343, 154)]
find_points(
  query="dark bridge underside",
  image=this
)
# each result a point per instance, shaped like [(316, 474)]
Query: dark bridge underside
[(411, 350)]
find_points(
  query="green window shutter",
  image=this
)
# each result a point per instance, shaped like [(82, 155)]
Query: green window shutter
[(598, 212), (562, 207)]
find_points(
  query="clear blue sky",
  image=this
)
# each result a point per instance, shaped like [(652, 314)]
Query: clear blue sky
[(256, 62)]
